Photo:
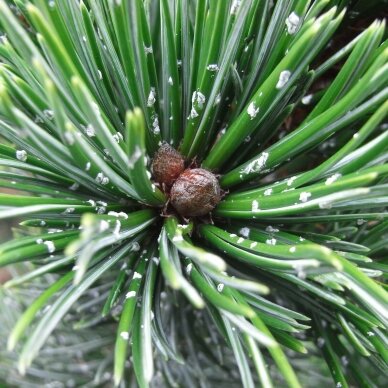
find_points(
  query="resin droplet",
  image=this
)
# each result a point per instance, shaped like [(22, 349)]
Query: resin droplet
[(167, 165), (195, 193)]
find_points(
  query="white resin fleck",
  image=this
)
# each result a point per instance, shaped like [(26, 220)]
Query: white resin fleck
[(118, 137), (148, 50), (101, 210), (124, 335), (307, 99), (255, 206), (100, 178), (291, 180), (332, 179), (220, 287), (130, 294), (50, 246), (257, 164), (235, 6), (155, 125), (193, 114), (212, 67), (135, 246), (116, 230), (151, 98), (245, 232), (300, 271), (304, 196), (21, 155), (89, 130), (104, 225), (284, 76), (189, 268), (199, 99), (252, 110), (271, 241), (292, 23)]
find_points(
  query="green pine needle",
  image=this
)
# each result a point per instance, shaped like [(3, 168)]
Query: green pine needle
[(282, 284)]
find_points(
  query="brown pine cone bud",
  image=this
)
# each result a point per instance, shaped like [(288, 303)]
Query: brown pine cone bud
[(195, 193), (167, 165)]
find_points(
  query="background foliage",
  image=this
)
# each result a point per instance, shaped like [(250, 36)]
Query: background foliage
[(281, 99)]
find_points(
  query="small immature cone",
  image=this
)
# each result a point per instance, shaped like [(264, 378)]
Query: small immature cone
[(195, 193), (167, 165)]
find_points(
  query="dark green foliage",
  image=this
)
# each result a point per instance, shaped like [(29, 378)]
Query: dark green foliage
[(282, 284)]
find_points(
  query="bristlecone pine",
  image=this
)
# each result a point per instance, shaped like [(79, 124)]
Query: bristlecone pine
[(255, 256)]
